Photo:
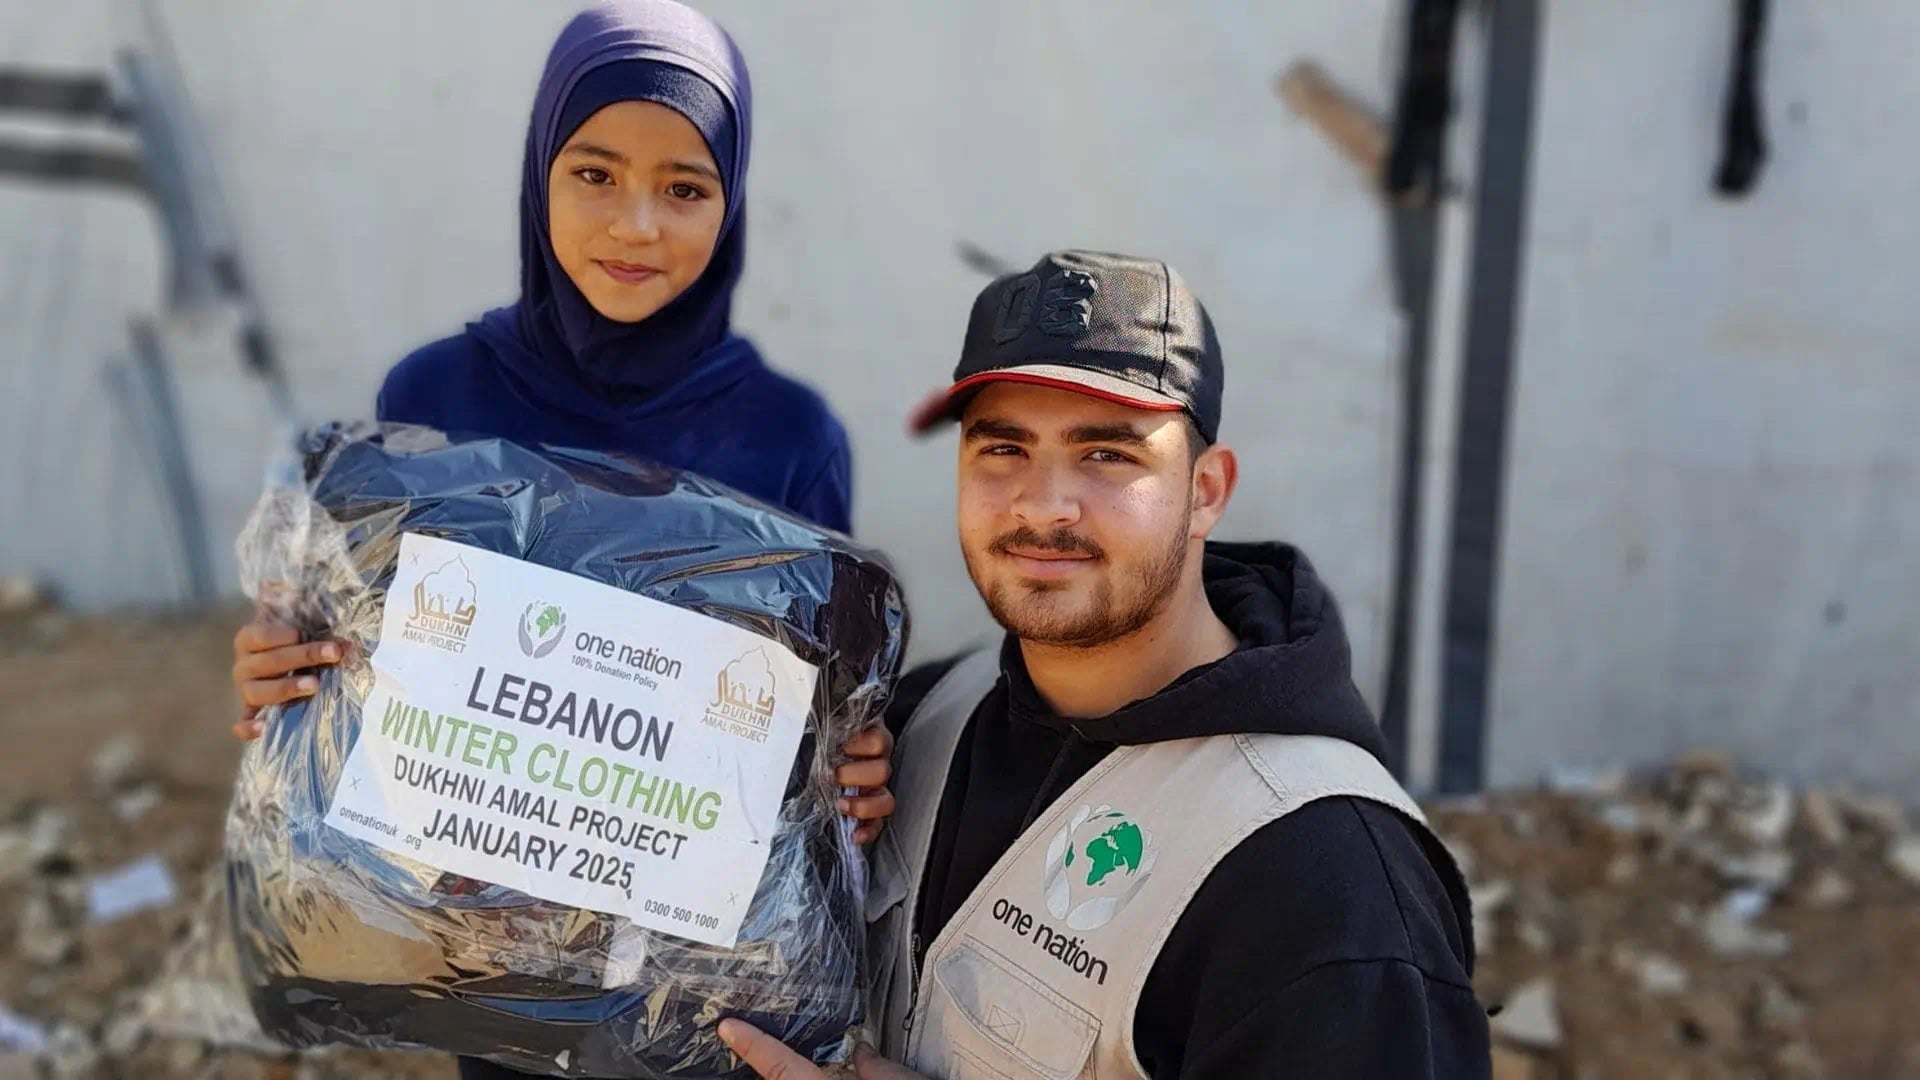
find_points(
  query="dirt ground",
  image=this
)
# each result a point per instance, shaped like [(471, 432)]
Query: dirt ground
[(68, 687), (1694, 922)]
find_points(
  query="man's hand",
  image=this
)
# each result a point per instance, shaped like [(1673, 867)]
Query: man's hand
[(771, 1060)]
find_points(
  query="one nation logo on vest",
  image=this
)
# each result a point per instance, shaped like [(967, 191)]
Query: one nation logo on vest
[(1097, 863), (445, 603), (1095, 866)]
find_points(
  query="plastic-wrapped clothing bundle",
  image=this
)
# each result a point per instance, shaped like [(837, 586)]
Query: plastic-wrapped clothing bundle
[(344, 940)]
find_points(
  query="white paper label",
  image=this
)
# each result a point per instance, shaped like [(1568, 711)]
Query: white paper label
[(573, 741)]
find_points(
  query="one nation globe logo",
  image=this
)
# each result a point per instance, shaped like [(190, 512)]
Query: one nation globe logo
[(542, 626)]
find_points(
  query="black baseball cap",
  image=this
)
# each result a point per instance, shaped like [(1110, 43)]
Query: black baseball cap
[(1110, 326)]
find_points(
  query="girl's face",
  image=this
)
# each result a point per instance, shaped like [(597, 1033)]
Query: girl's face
[(634, 206)]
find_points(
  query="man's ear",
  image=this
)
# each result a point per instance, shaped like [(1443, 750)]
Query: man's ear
[(1215, 474)]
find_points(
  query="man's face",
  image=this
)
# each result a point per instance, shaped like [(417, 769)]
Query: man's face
[(1076, 514)]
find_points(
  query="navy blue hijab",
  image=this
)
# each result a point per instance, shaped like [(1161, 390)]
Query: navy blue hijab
[(638, 50), (678, 387)]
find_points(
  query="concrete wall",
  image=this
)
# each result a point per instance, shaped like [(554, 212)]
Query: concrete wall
[(370, 153), (76, 500), (1712, 502)]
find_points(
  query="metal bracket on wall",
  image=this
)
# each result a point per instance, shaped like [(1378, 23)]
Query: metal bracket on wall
[(1414, 182), (70, 97), (1743, 140), (1487, 360), (204, 269)]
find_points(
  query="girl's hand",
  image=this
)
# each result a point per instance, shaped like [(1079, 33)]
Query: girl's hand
[(871, 767), (266, 656)]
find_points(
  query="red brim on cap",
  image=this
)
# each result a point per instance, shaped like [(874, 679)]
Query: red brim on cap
[(944, 405)]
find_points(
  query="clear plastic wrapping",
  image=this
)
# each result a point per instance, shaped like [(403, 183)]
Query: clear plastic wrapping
[(344, 942)]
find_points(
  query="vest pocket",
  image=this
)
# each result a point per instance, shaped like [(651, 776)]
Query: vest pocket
[(980, 1008), (961, 1065)]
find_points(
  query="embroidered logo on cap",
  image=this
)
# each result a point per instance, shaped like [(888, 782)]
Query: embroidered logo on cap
[(1066, 306), (1016, 308)]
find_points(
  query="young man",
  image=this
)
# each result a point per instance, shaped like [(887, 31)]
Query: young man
[(1149, 835)]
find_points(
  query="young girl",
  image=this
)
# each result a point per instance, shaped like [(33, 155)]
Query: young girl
[(632, 239), (631, 242)]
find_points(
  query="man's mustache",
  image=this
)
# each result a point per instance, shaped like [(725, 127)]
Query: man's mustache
[(1060, 540)]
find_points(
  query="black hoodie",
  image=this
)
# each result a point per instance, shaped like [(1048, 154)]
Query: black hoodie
[(1334, 941)]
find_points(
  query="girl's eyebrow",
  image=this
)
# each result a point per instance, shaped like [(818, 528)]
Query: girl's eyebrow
[(694, 168), (595, 150), (688, 167)]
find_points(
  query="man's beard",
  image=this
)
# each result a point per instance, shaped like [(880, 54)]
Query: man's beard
[(1021, 608)]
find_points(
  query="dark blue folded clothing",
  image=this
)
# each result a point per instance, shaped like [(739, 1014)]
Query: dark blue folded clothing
[(342, 942)]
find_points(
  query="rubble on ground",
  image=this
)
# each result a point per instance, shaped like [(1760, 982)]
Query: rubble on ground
[(1688, 921), (22, 594), (1692, 921)]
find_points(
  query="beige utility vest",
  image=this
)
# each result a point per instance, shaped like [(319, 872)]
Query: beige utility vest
[(1040, 972)]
